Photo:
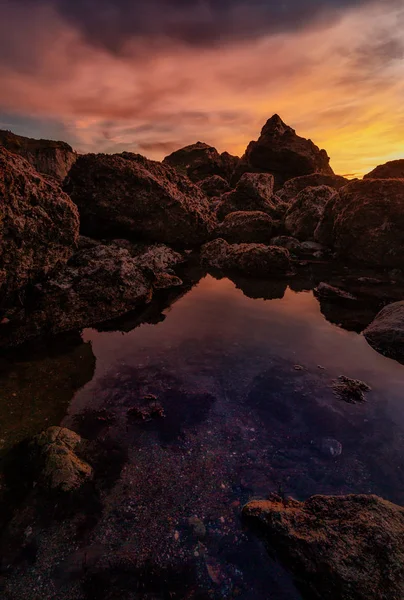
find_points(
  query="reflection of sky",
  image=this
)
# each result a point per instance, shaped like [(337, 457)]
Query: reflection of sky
[(103, 84)]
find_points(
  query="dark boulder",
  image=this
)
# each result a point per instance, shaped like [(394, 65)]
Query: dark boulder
[(306, 211), (391, 170), (386, 333), (199, 161), (248, 227), (127, 194), (294, 186), (214, 186)]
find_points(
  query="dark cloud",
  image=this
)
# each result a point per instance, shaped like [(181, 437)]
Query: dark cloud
[(111, 23)]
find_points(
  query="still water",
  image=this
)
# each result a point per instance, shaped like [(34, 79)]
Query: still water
[(245, 386)]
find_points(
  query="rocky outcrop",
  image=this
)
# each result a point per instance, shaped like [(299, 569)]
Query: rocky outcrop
[(46, 156), (386, 333), (365, 222), (248, 227), (391, 170), (56, 466), (254, 192), (39, 225), (347, 547), (284, 154), (306, 211), (253, 260), (199, 161), (214, 186), (294, 186), (127, 194)]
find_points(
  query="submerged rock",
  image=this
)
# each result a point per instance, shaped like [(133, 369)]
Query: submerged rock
[(306, 210), (39, 225), (393, 169), (128, 194), (386, 333), (350, 390), (46, 156), (249, 227), (254, 260), (294, 186), (345, 547), (284, 154)]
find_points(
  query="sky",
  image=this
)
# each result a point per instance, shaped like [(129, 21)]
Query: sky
[(151, 76)]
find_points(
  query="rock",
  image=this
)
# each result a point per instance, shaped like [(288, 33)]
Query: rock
[(57, 466), (329, 292), (46, 156), (39, 225), (214, 186), (350, 390), (127, 194), (158, 257), (254, 192), (85, 243), (285, 241), (330, 447), (199, 161), (345, 547), (284, 154), (365, 222), (254, 260), (391, 170), (306, 210), (250, 227), (294, 186), (386, 333)]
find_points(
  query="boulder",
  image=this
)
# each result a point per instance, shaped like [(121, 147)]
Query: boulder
[(386, 333), (57, 468), (365, 222), (128, 194), (345, 547), (39, 225), (294, 186), (284, 154), (253, 260), (214, 186), (46, 156), (254, 192), (306, 211), (249, 227), (199, 161), (329, 292), (288, 242), (391, 170)]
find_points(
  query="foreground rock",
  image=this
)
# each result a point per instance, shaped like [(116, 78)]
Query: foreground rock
[(199, 161), (253, 260), (306, 211), (386, 333), (347, 547), (284, 154), (294, 186), (127, 194), (247, 227), (46, 156), (391, 170), (57, 468), (254, 192), (365, 222), (39, 225)]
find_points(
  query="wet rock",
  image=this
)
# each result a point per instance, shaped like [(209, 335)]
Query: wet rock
[(214, 186), (346, 547), (199, 161), (284, 154), (248, 227), (306, 210), (58, 468), (350, 390), (393, 169), (46, 156), (254, 192), (386, 333), (254, 260), (127, 194), (364, 222), (39, 225), (294, 186), (329, 292)]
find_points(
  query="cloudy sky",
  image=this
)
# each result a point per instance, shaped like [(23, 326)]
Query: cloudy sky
[(154, 75)]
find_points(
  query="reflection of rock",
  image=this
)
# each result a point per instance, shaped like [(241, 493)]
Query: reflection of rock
[(128, 194), (39, 224), (386, 333), (393, 169), (306, 210), (36, 390), (347, 547), (246, 227), (254, 260), (294, 186), (254, 192), (266, 289), (199, 161)]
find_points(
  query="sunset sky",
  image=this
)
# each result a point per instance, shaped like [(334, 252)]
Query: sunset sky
[(151, 76)]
